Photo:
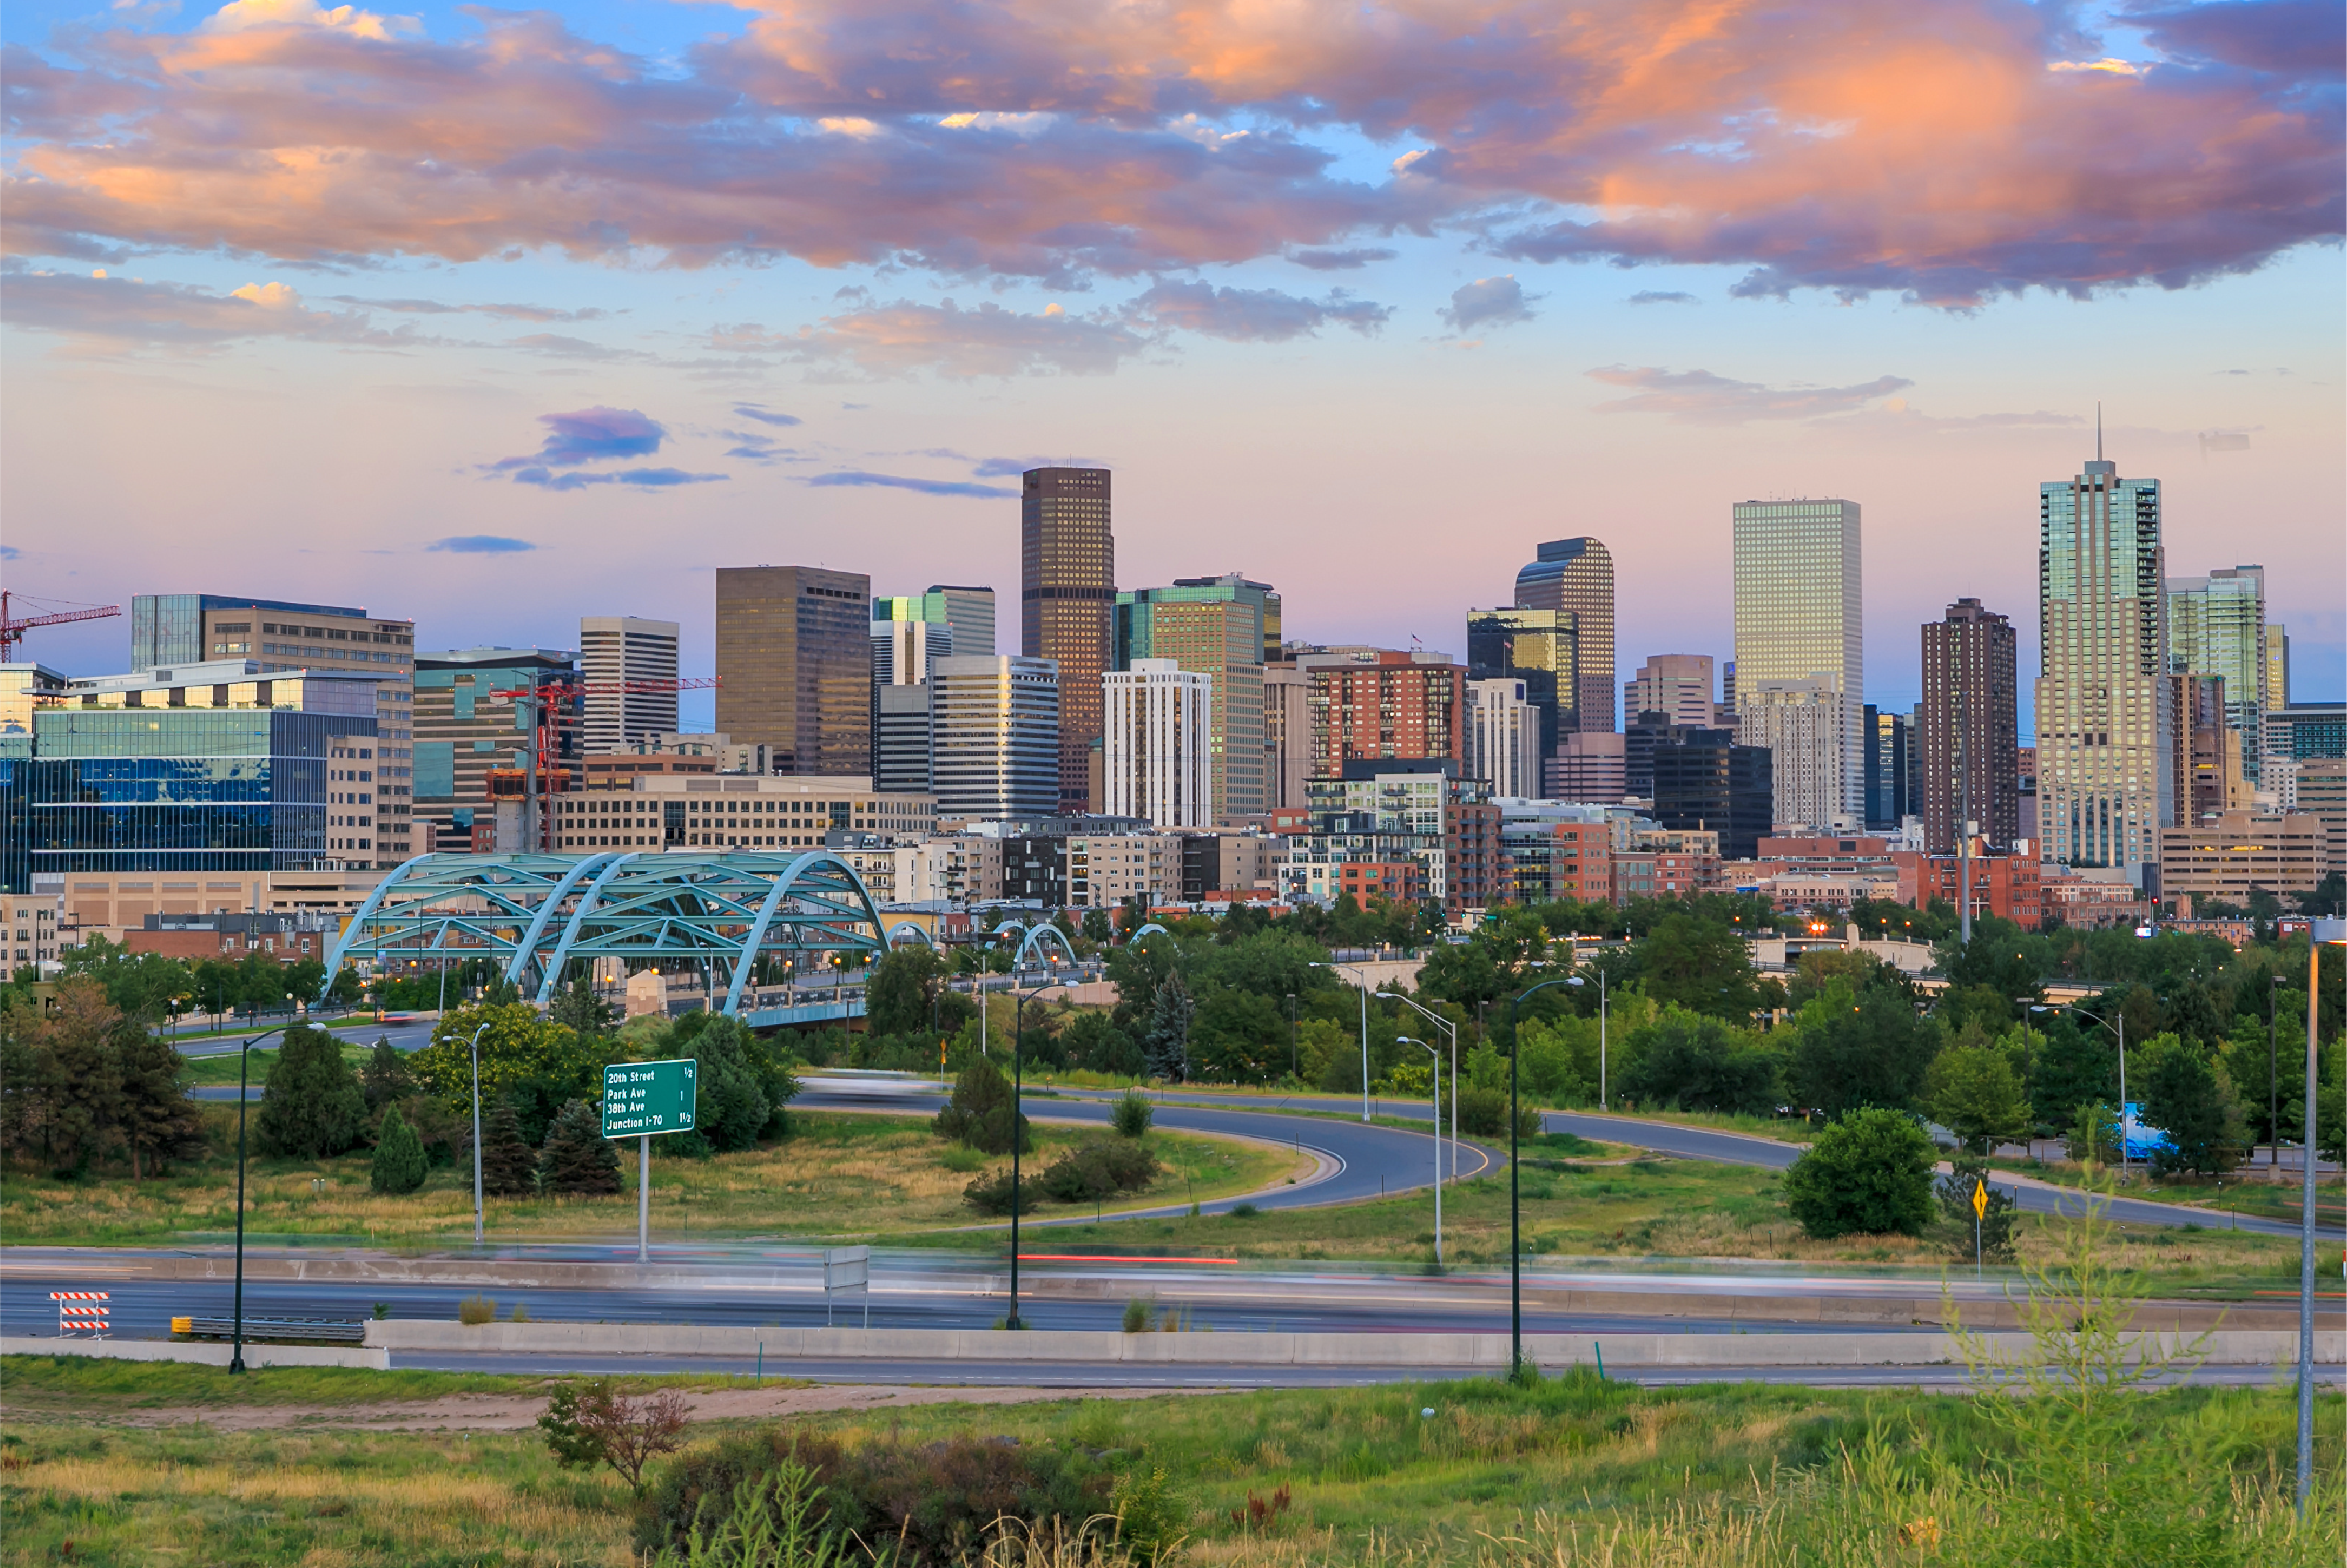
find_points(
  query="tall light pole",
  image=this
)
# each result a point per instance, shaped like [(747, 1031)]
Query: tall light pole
[(2273, 1071), (2120, 1030), (1578, 981), (1452, 1029), (1018, 1127), (236, 1333), (1363, 986), (476, 1049), (1515, 1185), (2323, 930), (1437, 1076)]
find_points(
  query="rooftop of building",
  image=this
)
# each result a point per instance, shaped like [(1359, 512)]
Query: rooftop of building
[(216, 672)]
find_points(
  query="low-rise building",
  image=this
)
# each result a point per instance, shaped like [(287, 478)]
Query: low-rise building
[(32, 919), (2239, 850), (285, 937), (2092, 900), (2007, 885)]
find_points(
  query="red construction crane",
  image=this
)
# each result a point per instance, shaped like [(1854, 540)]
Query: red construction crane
[(13, 629)]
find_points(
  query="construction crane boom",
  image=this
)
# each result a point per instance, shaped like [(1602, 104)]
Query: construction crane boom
[(12, 627)]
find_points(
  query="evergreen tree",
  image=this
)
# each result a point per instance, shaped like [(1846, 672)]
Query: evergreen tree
[(509, 1164), (978, 1114), (386, 1077), (160, 1122), (730, 1106), (1165, 1048), (578, 1159), (577, 1006), (314, 1107), (399, 1163)]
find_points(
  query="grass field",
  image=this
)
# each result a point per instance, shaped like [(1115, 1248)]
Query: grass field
[(1576, 1471), (835, 1175)]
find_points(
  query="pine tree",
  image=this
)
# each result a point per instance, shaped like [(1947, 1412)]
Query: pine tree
[(1165, 1049), (578, 1159), (509, 1164), (385, 1077), (160, 1122), (399, 1163), (314, 1107)]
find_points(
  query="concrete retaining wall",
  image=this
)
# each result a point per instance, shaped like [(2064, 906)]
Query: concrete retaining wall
[(1407, 1351), (200, 1352)]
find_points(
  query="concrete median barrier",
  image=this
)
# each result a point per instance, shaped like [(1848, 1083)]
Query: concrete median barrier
[(203, 1354)]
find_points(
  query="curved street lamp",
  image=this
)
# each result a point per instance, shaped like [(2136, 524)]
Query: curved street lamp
[(1451, 1029), (475, 1050), (1579, 982), (1436, 1052), (1515, 1189), (1018, 1123), (243, 1057), (2120, 1030)]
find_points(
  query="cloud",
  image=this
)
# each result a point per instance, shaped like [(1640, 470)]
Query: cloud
[(99, 310), (503, 313), (763, 416), (1700, 397), (1845, 146), (898, 482), (634, 478), (594, 435), (903, 338), (1664, 297), (1340, 261), (1002, 467), (10, 552), (1252, 315), (480, 545), (1497, 302)]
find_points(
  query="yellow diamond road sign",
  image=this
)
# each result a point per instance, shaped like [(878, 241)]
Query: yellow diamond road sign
[(1980, 1200)]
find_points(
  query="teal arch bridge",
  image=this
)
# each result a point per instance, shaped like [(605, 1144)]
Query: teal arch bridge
[(732, 919)]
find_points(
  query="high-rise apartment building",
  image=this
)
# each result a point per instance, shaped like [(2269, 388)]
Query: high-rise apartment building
[(614, 653), (1800, 645), (2208, 777), (1678, 686), (1214, 626), (2276, 686), (994, 728), (1066, 600), (1576, 575), (1503, 738), (1372, 704), (794, 665), (473, 743), (2105, 722), (1892, 764), (174, 629), (1969, 728), (1540, 647), (1287, 734), (1157, 740), (2217, 626)]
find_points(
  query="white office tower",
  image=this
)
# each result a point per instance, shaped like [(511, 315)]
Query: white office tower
[(905, 641), (2105, 718), (1801, 638), (1157, 744), (994, 738), (1503, 738), (617, 650), (1676, 685)]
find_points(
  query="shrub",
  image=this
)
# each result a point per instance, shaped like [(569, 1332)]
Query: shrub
[(578, 1159), (1132, 1114), (1098, 1168), (980, 1114), (936, 1501), (1136, 1316), (990, 1195), (476, 1310), (592, 1423), (314, 1107), (1151, 1518), (1997, 1223), (1695, 1062), (1484, 1113), (1869, 1173), (399, 1163)]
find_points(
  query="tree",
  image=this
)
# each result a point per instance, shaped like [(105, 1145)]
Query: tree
[(1868, 1048), (586, 1424), (63, 1087), (2074, 1067), (578, 1009), (399, 1163), (1700, 965), (903, 985), (1165, 1048), (314, 1108), (2188, 1096), (2000, 1215), (509, 1164), (1971, 1089), (1698, 1062), (544, 1065), (1097, 927), (1869, 1173), (385, 1079), (577, 1159), (159, 1121), (978, 1116), (731, 1107)]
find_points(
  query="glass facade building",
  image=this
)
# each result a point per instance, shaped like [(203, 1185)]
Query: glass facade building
[(1800, 618), (1576, 575), (2106, 717), (1067, 599), (1542, 648), (994, 729), (2217, 626), (1219, 628)]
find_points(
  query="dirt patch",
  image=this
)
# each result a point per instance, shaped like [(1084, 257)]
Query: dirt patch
[(514, 1412)]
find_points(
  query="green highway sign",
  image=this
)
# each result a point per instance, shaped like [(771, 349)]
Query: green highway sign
[(646, 1097)]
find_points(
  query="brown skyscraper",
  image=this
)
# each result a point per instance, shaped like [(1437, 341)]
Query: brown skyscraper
[(1067, 603), (794, 665), (1968, 728), (1577, 575)]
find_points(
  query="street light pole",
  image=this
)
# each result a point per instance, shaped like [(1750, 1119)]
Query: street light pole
[(2120, 1030), (1018, 1128), (1363, 986), (1600, 1035), (1515, 1188), (475, 1050), (2321, 931), (2274, 1072), (236, 1333), (1437, 1076), (1452, 1029)]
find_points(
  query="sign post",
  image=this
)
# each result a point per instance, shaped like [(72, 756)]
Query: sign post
[(643, 1099), (1980, 1213), (848, 1268)]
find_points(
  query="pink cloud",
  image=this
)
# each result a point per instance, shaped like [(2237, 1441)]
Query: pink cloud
[(1844, 144), (903, 338)]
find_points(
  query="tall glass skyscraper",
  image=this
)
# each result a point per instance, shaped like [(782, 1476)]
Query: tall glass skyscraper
[(994, 727), (2105, 724), (1576, 575), (2217, 626), (1217, 626), (1541, 648), (1067, 591), (1800, 649)]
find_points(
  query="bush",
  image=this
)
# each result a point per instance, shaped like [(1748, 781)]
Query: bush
[(314, 1108), (1098, 1168), (509, 1164), (1690, 1062), (936, 1502), (1133, 1113), (1869, 1173), (476, 1310), (1997, 1223), (399, 1163), (1484, 1113), (990, 1195), (578, 1159), (980, 1114)]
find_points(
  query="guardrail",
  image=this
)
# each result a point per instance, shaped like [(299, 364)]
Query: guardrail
[(294, 1330)]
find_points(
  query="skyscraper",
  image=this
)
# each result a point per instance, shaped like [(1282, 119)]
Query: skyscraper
[(2276, 666), (1576, 575), (909, 634), (970, 612), (1889, 766), (1541, 648), (1800, 649), (1969, 728), (1215, 626), (1287, 734), (794, 665), (1373, 705), (1678, 686), (1502, 731), (994, 738), (2106, 725), (614, 649), (1067, 593), (2217, 626), (1157, 723)]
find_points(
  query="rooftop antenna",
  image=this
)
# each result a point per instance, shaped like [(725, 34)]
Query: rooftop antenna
[(2098, 430)]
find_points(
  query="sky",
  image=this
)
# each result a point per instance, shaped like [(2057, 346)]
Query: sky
[(494, 318)]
